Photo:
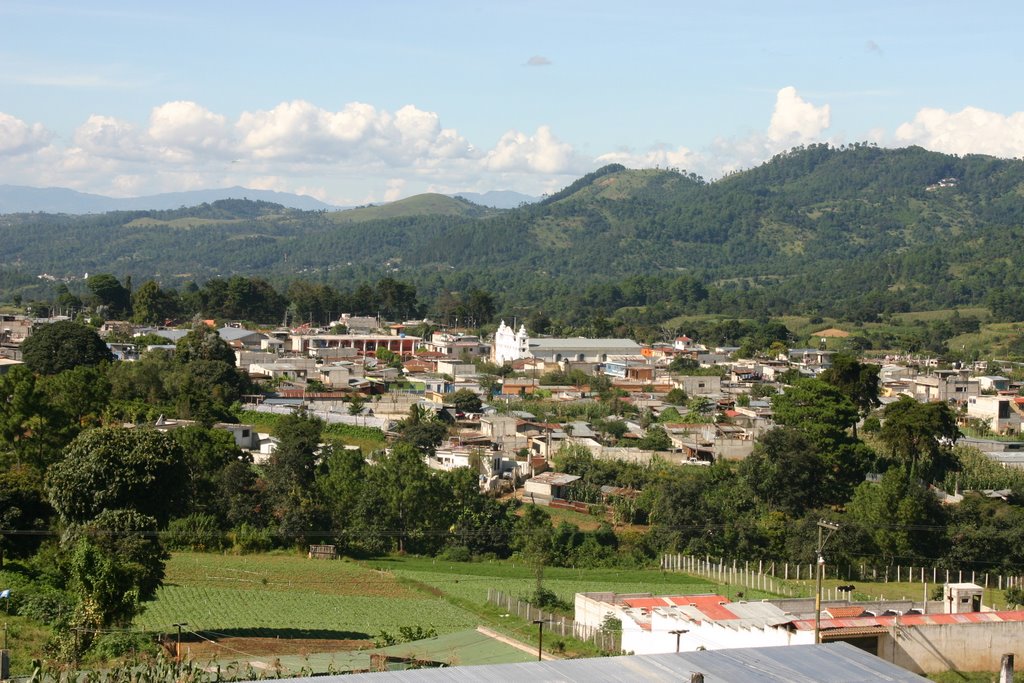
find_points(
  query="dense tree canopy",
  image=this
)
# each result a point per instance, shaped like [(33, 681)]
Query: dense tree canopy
[(63, 345), (114, 468)]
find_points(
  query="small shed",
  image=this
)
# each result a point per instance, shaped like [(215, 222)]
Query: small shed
[(550, 484)]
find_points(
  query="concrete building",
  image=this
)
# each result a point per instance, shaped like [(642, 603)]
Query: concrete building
[(457, 345), (946, 386), (580, 349), (543, 487), (320, 345), (996, 411), (961, 634)]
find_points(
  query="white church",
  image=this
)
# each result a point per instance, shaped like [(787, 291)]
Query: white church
[(510, 345)]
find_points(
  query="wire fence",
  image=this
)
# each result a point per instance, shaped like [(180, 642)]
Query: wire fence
[(556, 624), (784, 578)]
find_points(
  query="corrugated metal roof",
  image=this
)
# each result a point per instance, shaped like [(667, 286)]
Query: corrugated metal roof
[(555, 478), (827, 663), (914, 620), (612, 346)]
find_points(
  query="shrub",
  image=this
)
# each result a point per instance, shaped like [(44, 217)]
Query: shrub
[(195, 532), (117, 645), (544, 597), (456, 553), (249, 539), (1015, 596)]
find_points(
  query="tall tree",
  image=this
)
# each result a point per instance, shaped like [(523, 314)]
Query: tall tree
[(29, 424), (816, 408), (410, 499), (919, 436), (203, 343), (108, 292), (859, 381), (113, 468), (291, 472), (151, 304), (785, 471), (61, 346)]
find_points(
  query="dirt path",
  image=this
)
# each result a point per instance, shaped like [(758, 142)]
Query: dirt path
[(519, 645)]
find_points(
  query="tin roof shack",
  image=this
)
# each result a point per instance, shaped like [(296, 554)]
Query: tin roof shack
[(543, 487)]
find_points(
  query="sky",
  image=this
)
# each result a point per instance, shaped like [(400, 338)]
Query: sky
[(364, 101)]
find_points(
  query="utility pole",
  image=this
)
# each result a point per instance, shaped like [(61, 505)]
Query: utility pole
[(540, 637), (832, 528), (678, 634), (177, 650)]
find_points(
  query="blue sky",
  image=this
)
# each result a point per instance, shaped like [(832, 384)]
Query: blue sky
[(366, 101)]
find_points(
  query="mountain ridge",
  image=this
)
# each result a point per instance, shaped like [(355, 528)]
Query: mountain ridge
[(859, 230)]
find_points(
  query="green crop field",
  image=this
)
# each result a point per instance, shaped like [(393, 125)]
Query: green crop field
[(469, 581), (291, 596)]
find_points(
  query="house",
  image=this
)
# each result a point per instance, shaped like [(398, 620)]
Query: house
[(686, 345), (543, 487), (814, 359), (706, 621), (946, 386), (245, 436), (995, 411), (457, 345), (123, 352), (993, 383), (14, 329), (456, 369), (294, 369), (580, 349), (633, 368), (1006, 453), (699, 385)]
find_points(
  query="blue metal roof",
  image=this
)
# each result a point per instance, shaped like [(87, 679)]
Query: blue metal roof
[(837, 662)]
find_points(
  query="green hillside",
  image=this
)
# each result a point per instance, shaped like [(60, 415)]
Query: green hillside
[(430, 204), (850, 232)]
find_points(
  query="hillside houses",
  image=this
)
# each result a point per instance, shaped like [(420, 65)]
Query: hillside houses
[(726, 404)]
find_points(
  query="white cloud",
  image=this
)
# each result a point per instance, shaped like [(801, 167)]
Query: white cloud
[(971, 130), (186, 125), (18, 137), (538, 60), (795, 120), (105, 136), (664, 157), (541, 152), (394, 189), (359, 132)]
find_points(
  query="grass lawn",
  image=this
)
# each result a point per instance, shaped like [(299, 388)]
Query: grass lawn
[(24, 639)]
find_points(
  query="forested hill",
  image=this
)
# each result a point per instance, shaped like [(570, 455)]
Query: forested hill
[(850, 231)]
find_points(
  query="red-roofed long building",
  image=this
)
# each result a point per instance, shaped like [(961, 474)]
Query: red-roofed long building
[(962, 634)]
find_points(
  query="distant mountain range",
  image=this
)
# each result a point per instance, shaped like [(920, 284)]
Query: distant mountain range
[(498, 199), (23, 199)]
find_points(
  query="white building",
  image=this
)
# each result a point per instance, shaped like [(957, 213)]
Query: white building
[(655, 624), (510, 345), (996, 411)]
